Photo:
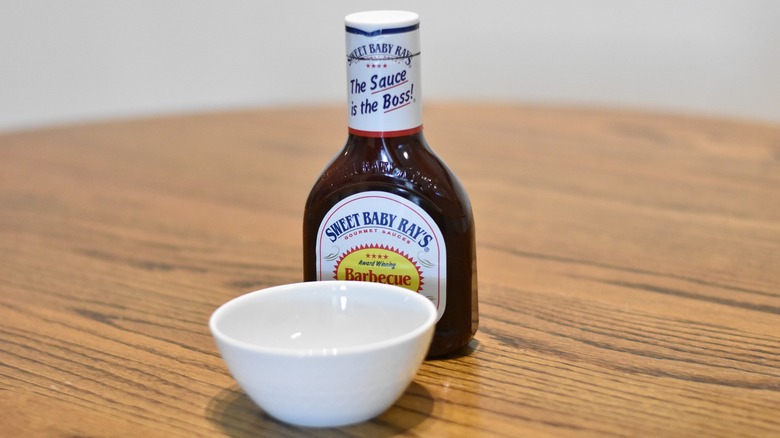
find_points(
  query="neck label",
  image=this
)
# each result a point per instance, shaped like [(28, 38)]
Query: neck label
[(383, 81)]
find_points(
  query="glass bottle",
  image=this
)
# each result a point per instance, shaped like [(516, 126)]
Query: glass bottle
[(386, 208)]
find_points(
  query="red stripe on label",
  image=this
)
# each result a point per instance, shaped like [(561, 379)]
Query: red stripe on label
[(386, 134)]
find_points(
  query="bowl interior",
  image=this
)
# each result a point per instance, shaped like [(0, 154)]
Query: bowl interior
[(320, 317)]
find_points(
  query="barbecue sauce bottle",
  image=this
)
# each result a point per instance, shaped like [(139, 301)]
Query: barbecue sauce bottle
[(386, 208)]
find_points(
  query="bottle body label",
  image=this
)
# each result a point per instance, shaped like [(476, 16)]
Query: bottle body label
[(384, 238), (383, 87)]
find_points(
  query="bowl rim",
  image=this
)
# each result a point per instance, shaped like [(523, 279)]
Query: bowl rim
[(220, 336)]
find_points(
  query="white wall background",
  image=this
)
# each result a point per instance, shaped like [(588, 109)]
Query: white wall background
[(65, 61)]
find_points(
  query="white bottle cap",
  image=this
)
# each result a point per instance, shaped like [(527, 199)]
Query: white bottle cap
[(372, 21)]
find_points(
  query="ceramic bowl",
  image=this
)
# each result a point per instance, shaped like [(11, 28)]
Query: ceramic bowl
[(324, 354)]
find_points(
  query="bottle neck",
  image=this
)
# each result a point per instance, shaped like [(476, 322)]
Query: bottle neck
[(396, 149), (412, 139), (386, 134), (383, 81)]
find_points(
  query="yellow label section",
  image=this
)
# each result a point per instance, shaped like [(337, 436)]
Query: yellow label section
[(379, 265)]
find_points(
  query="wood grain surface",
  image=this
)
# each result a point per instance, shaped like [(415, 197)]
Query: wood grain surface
[(629, 271)]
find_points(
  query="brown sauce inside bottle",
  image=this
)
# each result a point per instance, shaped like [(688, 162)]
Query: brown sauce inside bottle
[(407, 167)]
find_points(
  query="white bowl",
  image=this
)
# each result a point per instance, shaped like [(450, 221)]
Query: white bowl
[(325, 354)]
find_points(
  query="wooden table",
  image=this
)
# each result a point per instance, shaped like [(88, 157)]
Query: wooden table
[(629, 271)]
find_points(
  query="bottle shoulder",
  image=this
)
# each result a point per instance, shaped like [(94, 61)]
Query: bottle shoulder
[(404, 166)]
